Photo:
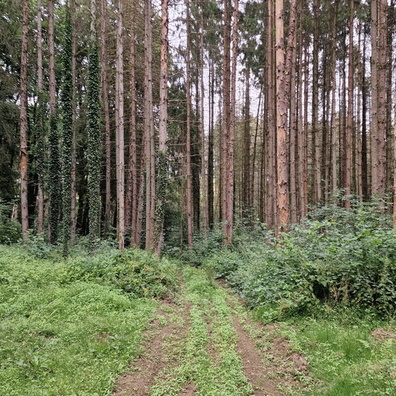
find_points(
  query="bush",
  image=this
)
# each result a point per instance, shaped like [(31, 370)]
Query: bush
[(134, 271), (334, 257)]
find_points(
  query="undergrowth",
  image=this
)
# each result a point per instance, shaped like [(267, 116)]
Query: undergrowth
[(70, 327)]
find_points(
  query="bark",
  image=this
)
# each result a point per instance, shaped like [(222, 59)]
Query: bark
[(131, 202), (246, 175), (149, 129), (349, 129), (188, 133), (211, 144), (106, 113), (73, 213), (40, 89), (24, 123), (120, 130), (271, 127), (163, 133), (281, 123)]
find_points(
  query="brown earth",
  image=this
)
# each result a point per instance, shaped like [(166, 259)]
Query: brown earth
[(269, 363)]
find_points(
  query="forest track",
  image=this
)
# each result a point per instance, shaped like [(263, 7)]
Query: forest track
[(206, 343)]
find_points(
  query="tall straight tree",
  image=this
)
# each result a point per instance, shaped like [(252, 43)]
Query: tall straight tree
[(189, 203), (24, 122), (163, 133), (378, 105), (149, 128), (40, 126), (94, 147), (225, 131), (282, 197), (67, 129), (53, 137), (105, 110), (349, 130), (120, 161)]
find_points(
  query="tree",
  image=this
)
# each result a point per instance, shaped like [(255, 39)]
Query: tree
[(53, 137), (149, 128), (119, 92), (94, 146), (24, 123), (67, 130), (281, 122), (163, 133)]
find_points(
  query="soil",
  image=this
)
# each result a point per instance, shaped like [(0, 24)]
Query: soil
[(269, 363)]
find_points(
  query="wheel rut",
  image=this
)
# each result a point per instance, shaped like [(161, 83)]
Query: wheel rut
[(206, 343)]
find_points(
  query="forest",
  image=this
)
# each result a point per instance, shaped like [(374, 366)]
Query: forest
[(197, 197)]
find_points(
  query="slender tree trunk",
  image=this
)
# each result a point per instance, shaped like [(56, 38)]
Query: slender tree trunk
[(120, 162), (188, 132), (282, 197), (271, 212), (131, 174), (149, 130), (316, 176), (106, 113), (40, 140), (204, 183), (211, 144), (54, 162), (246, 170), (289, 98), (73, 213), (67, 130), (163, 133), (349, 129), (24, 123)]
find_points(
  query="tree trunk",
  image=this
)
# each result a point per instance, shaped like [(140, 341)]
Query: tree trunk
[(106, 113), (163, 133), (120, 163), (149, 130), (349, 129), (282, 196), (53, 138), (24, 123), (40, 137), (188, 132)]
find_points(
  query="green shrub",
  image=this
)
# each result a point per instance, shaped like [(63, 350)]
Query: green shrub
[(134, 271), (334, 257)]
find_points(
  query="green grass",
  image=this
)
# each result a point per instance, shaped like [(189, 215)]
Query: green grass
[(62, 337), (213, 374), (344, 357)]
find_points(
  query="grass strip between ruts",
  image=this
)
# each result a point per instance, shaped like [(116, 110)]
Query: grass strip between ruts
[(208, 356)]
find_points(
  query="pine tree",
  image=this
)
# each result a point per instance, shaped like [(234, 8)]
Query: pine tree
[(94, 144), (67, 130), (53, 137)]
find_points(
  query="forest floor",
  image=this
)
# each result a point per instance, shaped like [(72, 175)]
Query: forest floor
[(205, 342)]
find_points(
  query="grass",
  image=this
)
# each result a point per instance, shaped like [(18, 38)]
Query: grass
[(59, 337), (214, 373), (344, 356)]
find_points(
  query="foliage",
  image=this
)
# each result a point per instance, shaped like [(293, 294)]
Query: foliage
[(335, 256), (67, 130), (54, 178), (134, 271), (94, 144), (10, 230), (70, 327)]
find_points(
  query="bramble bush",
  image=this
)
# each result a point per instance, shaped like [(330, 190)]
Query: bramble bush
[(333, 257)]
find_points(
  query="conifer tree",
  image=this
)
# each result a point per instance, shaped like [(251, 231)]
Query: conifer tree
[(53, 137), (94, 146), (67, 130)]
